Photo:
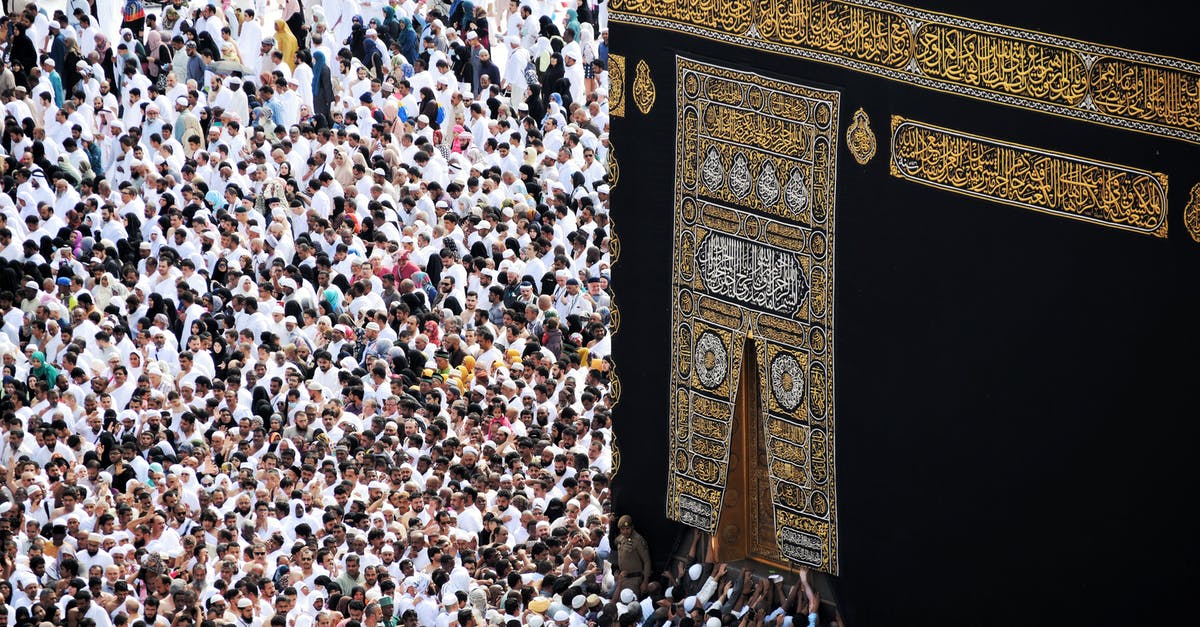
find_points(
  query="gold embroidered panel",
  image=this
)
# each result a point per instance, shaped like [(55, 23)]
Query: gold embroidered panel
[(616, 85), (1065, 185), (755, 172), (1015, 67)]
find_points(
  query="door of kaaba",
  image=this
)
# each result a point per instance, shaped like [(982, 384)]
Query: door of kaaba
[(957, 246)]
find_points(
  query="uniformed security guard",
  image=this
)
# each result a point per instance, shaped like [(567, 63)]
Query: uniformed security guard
[(633, 559)]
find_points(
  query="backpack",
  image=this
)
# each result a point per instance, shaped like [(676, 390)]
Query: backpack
[(133, 10)]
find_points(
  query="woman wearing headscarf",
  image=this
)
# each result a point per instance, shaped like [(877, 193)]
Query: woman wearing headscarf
[(585, 14), (293, 15), (170, 20), (129, 38), (220, 271), (158, 59), (205, 41), (572, 24), (428, 107), (587, 50), (482, 27), (22, 51), (389, 30), (358, 42), (343, 166), (422, 281), (70, 66), (41, 370), (286, 42), (551, 77), (332, 299), (104, 54), (537, 105), (546, 27), (322, 86), (409, 41), (540, 54), (136, 364)]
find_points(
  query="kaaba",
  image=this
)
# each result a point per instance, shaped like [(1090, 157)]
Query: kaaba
[(906, 294)]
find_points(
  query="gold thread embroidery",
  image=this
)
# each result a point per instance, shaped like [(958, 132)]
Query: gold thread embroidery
[(643, 88), (860, 139), (616, 85), (1191, 213), (1015, 67), (614, 167), (1032, 178), (755, 170), (1004, 65)]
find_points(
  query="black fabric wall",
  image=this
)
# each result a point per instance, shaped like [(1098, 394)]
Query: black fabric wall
[(1015, 392)]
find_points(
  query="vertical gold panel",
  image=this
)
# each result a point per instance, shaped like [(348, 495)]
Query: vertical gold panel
[(616, 85), (752, 422)]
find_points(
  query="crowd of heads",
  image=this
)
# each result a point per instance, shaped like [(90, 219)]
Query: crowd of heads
[(305, 318)]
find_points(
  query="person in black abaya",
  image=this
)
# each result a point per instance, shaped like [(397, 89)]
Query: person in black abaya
[(358, 43), (322, 86), (434, 269), (561, 87), (479, 249), (537, 106), (295, 21), (70, 68), (429, 108), (205, 41), (546, 27), (554, 71), (22, 52)]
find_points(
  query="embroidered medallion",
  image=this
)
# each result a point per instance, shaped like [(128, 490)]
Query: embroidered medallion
[(795, 193), (713, 171), (787, 381), (712, 360), (768, 184), (860, 139), (643, 88), (739, 176)]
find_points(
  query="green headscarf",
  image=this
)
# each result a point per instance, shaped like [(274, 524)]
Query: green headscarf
[(45, 372)]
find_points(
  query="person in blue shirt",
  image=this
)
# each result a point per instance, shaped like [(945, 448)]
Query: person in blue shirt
[(48, 66), (602, 47), (195, 64)]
